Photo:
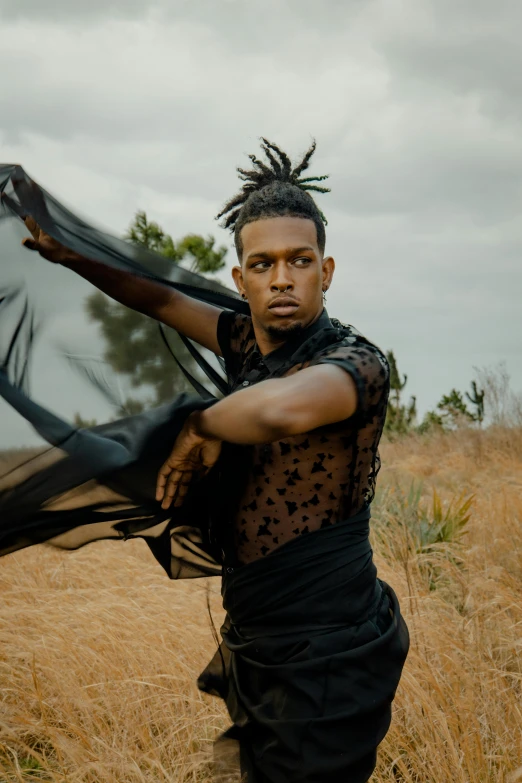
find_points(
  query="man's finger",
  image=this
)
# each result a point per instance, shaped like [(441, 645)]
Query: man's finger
[(176, 488), (182, 490), (161, 481), (170, 487), (32, 227), (30, 244)]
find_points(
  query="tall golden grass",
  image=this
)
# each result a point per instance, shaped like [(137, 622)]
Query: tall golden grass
[(99, 651)]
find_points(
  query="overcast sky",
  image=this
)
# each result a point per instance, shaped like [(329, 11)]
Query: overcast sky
[(416, 106)]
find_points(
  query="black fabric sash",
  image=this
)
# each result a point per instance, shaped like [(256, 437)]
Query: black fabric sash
[(291, 587)]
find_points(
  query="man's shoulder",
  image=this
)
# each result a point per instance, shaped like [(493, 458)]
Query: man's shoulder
[(347, 336), (364, 361)]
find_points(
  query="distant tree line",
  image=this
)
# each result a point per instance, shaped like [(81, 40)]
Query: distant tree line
[(452, 411)]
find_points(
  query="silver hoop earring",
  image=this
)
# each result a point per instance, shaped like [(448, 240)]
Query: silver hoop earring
[(324, 295)]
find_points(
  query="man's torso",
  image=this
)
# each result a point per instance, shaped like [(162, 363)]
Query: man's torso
[(304, 482)]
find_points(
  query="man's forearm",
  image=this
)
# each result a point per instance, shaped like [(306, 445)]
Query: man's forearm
[(138, 293), (246, 417), (280, 407)]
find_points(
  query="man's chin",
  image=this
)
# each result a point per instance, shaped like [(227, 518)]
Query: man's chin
[(285, 329)]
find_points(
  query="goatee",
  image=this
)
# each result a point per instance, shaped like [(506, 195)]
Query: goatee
[(294, 329)]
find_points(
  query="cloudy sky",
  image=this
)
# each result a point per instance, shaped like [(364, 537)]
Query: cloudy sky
[(115, 105)]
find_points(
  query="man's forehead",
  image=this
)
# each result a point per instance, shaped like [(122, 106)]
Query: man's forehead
[(278, 235)]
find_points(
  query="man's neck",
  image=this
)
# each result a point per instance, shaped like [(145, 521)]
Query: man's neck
[(269, 340)]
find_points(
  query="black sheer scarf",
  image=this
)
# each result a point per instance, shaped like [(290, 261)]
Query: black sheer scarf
[(70, 485)]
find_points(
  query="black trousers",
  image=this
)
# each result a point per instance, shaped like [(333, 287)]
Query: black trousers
[(313, 649)]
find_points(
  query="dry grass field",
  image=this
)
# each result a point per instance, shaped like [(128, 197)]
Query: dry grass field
[(99, 651)]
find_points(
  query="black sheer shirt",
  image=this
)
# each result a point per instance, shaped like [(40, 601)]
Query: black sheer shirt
[(301, 483)]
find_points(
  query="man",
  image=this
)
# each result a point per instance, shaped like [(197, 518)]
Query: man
[(314, 643)]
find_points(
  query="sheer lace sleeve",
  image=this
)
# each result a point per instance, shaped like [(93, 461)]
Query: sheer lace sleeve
[(367, 366)]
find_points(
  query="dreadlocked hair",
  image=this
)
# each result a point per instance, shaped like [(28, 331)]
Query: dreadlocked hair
[(275, 190)]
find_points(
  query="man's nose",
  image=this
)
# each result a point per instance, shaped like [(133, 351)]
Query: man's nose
[(281, 280)]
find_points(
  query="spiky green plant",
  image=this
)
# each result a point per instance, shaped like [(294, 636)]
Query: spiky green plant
[(399, 418), (410, 529), (476, 398)]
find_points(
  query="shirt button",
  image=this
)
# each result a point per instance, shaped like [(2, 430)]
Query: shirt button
[(245, 383)]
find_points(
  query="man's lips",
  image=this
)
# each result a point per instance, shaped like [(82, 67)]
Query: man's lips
[(283, 305)]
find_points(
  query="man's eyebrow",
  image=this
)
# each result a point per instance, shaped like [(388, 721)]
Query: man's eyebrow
[(287, 251)]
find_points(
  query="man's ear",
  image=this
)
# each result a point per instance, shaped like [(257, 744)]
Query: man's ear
[(328, 270), (237, 275)]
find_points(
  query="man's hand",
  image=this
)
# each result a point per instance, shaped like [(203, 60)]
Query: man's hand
[(48, 247), (192, 457)]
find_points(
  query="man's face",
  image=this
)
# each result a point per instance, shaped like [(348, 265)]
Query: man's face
[(283, 274)]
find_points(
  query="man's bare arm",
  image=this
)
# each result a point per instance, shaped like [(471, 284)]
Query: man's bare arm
[(196, 320), (280, 407), (268, 411)]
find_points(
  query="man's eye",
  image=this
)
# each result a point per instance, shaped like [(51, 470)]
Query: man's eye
[(303, 259)]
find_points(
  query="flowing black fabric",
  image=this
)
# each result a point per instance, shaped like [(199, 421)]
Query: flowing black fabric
[(79, 485), (313, 644)]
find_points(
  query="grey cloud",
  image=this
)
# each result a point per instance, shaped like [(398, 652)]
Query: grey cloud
[(415, 107), (59, 10), (438, 156), (243, 22), (481, 179), (467, 48)]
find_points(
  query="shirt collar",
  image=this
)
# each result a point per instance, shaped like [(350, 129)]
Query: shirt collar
[(274, 359)]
